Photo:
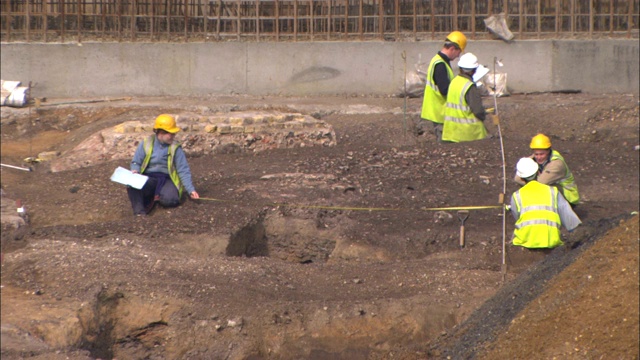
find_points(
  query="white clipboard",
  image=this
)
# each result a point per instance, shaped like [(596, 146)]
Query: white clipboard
[(126, 177)]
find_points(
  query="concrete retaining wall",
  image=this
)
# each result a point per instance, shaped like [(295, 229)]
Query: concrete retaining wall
[(305, 68)]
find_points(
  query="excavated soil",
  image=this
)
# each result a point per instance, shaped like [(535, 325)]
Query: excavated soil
[(349, 251)]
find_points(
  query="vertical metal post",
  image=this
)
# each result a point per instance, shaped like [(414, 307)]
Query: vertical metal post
[(630, 19), (433, 20), (277, 14), (381, 18), (610, 17), (62, 23), (27, 22), (329, 19), (454, 14), (521, 19), (219, 18), (490, 8), (415, 20), (205, 18), (186, 20), (79, 21), (295, 20), (153, 18), (473, 19), (9, 21), (539, 18), (257, 20), (573, 19), (119, 14), (558, 20), (311, 19), (397, 18), (104, 8), (361, 20), (238, 22), (45, 19), (133, 19), (591, 19), (346, 19), (94, 11)]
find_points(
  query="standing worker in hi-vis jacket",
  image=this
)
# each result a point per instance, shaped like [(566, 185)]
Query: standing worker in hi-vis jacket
[(438, 78)]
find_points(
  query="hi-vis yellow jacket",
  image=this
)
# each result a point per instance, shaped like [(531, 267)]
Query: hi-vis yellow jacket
[(568, 183), (539, 223), (460, 124), (433, 101)]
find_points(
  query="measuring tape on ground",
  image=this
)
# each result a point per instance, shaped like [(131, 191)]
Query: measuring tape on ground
[(370, 209)]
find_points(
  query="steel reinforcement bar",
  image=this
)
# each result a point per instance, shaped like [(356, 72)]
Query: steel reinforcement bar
[(308, 20)]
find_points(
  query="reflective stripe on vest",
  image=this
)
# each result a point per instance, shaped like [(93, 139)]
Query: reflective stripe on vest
[(567, 183), (433, 101), (460, 124), (539, 223), (173, 173)]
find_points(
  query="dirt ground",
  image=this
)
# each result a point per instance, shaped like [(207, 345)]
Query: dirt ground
[(338, 252)]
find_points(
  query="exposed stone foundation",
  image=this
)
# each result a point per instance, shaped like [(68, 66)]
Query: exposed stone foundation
[(204, 135)]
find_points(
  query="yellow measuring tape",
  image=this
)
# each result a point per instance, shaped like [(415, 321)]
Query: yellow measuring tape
[(370, 208)]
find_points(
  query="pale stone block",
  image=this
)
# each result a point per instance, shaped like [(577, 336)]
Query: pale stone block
[(210, 128)]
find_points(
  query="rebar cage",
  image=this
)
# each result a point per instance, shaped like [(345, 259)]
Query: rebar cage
[(313, 20)]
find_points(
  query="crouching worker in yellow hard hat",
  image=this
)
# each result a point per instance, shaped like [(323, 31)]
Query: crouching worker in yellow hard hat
[(552, 169), (464, 113), (539, 211), (162, 159), (438, 78)]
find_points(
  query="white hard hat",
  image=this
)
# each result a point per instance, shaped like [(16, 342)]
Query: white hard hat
[(468, 61), (526, 168)]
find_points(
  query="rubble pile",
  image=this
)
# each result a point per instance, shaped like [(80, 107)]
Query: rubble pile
[(204, 135)]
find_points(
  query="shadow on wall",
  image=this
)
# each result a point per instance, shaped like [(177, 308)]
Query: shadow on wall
[(313, 74)]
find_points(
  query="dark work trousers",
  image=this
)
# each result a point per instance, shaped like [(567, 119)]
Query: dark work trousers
[(143, 200)]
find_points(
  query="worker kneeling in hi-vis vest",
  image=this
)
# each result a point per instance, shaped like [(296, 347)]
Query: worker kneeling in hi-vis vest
[(464, 114), (552, 169), (539, 211), (162, 159)]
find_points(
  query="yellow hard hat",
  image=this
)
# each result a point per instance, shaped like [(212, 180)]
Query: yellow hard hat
[(458, 38), (540, 141), (167, 123)]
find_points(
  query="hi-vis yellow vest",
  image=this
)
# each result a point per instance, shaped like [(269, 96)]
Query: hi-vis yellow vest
[(173, 173), (539, 223), (568, 183), (460, 124), (433, 101)]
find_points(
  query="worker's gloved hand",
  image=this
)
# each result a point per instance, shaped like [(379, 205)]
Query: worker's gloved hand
[(508, 207)]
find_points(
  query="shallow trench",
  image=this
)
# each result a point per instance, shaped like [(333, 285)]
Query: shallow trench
[(286, 238)]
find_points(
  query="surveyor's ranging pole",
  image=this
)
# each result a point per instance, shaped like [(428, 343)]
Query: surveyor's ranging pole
[(404, 113), (504, 176)]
